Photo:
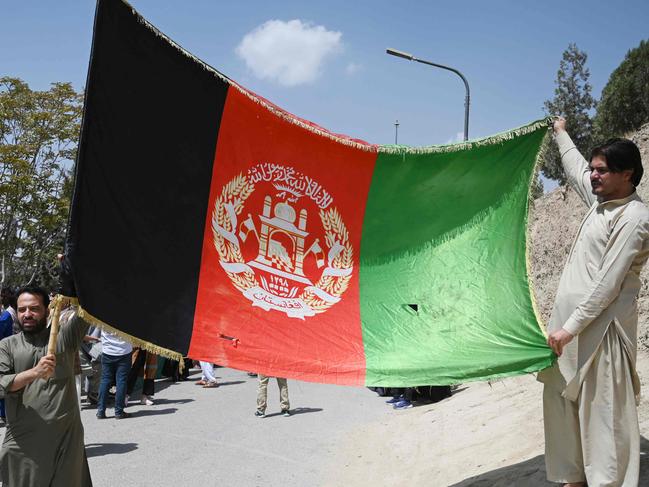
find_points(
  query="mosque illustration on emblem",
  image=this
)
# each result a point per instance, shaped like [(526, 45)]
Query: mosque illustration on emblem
[(282, 247)]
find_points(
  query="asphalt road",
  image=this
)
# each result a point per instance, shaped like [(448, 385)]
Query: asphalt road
[(193, 436)]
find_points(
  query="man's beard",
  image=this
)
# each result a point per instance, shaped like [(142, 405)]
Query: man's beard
[(39, 327)]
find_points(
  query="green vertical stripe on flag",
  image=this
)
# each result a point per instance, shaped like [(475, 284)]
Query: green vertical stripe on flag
[(443, 280)]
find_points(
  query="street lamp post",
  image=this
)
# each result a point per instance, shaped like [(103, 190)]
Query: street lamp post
[(467, 98)]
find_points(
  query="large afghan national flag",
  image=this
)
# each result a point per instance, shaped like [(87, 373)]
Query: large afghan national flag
[(210, 223)]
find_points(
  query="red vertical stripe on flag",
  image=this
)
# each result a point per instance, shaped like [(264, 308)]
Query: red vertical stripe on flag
[(279, 281)]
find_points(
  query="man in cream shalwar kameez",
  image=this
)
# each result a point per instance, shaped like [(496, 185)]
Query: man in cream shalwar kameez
[(591, 422)]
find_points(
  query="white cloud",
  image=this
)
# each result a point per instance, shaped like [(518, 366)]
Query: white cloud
[(290, 53), (353, 68)]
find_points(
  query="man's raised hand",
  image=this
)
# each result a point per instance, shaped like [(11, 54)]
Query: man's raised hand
[(559, 125)]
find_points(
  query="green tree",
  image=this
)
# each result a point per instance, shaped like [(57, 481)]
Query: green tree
[(536, 186), (624, 105), (38, 142), (572, 100)]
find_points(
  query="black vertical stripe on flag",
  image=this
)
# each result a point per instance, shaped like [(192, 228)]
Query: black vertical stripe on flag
[(151, 121)]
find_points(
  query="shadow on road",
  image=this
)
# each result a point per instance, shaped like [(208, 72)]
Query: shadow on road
[(101, 449), (152, 412), (296, 411), (531, 473), (159, 402), (232, 383), (160, 385)]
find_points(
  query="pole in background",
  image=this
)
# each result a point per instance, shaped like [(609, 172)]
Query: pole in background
[(467, 99)]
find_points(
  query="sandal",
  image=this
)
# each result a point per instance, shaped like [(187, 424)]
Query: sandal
[(210, 385), (201, 382)]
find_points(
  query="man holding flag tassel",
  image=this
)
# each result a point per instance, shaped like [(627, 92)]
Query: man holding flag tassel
[(43, 444), (589, 400)]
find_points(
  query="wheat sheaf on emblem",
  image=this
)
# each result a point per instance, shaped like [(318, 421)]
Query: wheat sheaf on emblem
[(336, 235), (231, 200)]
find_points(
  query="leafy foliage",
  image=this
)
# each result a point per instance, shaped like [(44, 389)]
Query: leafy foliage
[(38, 142), (572, 100), (536, 186), (624, 105)]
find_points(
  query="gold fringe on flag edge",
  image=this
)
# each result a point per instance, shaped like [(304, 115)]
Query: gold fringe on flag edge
[(469, 144), (136, 342), (528, 237), (348, 141)]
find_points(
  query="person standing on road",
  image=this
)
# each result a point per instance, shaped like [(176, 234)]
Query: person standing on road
[(9, 305), (43, 444), (6, 330), (115, 366), (262, 394), (208, 379), (591, 422), (90, 355), (143, 364)]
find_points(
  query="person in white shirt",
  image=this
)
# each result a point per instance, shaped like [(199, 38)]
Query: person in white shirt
[(115, 366)]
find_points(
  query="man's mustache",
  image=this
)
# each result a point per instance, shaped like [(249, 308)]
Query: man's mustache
[(35, 325)]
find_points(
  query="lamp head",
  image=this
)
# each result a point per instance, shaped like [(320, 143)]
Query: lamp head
[(405, 55)]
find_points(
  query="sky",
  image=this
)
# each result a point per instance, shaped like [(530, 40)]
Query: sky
[(326, 61)]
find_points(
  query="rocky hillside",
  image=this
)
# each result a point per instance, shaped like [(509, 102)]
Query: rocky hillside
[(555, 219)]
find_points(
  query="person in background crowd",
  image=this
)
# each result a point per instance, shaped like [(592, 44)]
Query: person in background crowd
[(145, 365), (402, 398), (90, 355), (115, 366), (262, 394), (171, 369), (9, 305), (6, 330), (208, 379)]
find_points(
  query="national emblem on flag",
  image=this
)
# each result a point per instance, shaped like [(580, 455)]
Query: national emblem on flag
[(274, 272)]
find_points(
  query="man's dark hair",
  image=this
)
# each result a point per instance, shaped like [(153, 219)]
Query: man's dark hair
[(36, 291), (621, 155), (8, 297)]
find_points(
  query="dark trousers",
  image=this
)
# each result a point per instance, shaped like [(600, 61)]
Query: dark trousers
[(113, 368), (147, 384), (406, 392)]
